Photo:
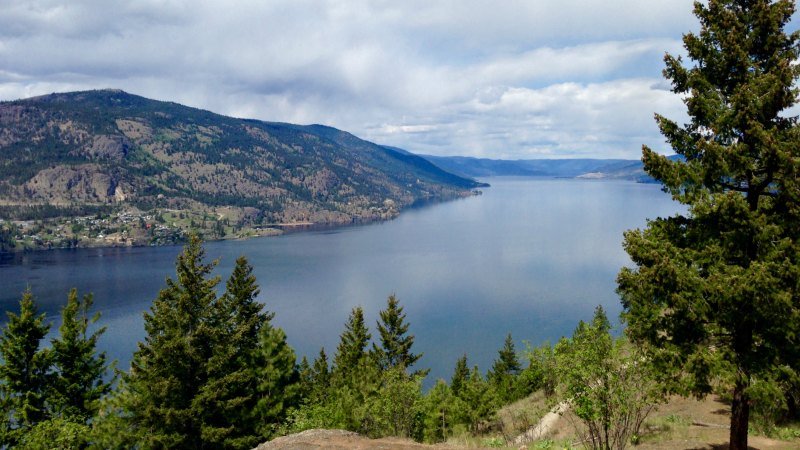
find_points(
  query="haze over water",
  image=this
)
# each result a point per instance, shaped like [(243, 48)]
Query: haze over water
[(531, 256)]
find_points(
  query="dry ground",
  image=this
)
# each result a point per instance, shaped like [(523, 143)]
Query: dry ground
[(680, 424), (342, 440)]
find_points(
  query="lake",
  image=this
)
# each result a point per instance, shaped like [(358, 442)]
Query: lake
[(531, 257)]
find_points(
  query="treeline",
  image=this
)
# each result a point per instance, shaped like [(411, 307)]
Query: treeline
[(213, 372)]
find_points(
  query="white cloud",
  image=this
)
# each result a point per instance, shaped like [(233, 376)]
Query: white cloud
[(514, 79)]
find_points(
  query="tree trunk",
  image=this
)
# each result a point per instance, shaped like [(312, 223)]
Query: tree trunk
[(740, 417)]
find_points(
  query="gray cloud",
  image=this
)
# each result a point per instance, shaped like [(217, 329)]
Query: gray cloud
[(513, 79)]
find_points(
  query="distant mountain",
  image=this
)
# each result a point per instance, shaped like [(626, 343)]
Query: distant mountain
[(622, 169), (111, 148)]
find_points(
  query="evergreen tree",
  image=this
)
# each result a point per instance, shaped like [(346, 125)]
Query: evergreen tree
[(25, 371), (505, 369), (355, 378), (320, 377), (395, 349), (507, 361), (480, 400), (79, 383), (239, 310), (460, 375), (169, 369), (443, 410), (541, 370), (212, 372), (305, 379), (353, 342), (56, 433), (714, 296), (277, 376), (231, 391)]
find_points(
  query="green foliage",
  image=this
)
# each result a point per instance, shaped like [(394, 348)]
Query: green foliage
[(443, 411), (276, 377), (772, 400), (460, 375), (7, 233), (504, 373), (57, 433), (79, 384), (25, 372), (395, 408), (610, 387), (320, 377), (714, 295), (480, 400), (395, 349), (351, 351), (212, 372), (367, 392), (541, 371)]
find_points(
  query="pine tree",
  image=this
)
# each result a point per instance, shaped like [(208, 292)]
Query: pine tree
[(504, 372), (355, 377), (169, 369), (80, 370), (239, 309), (714, 296), (395, 349), (305, 379), (507, 361), (25, 371), (352, 345), (231, 392), (277, 378), (480, 400), (443, 410), (460, 375), (321, 378)]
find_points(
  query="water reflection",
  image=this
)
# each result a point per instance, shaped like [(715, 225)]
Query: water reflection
[(529, 256)]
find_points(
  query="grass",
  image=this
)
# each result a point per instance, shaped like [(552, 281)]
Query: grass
[(681, 423)]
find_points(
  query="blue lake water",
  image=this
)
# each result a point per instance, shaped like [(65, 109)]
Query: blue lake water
[(531, 257)]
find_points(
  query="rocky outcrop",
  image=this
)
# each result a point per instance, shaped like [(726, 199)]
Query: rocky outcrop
[(83, 183)]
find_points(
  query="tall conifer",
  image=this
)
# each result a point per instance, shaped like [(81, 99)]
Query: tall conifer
[(276, 377), (715, 295), (25, 371), (395, 349), (460, 375), (212, 372), (80, 369), (505, 369), (169, 369), (352, 344), (321, 377)]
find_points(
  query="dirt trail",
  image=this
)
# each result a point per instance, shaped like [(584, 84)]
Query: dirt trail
[(544, 426)]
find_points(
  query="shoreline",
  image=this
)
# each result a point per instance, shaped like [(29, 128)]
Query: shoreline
[(130, 227)]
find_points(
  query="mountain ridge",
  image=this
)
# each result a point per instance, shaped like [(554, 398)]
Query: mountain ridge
[(611, 169), (103, 150)]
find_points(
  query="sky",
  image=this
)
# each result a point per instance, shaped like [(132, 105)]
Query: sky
[(501, 79)]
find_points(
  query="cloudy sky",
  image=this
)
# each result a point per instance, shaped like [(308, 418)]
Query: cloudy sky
[(492, 78)]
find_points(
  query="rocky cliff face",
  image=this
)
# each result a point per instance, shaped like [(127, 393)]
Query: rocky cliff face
[(113, 148)]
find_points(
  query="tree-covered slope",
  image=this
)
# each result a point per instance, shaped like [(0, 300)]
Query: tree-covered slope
[(109, 147)]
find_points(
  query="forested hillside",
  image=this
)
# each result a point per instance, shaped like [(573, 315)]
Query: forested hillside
[(93, 152)]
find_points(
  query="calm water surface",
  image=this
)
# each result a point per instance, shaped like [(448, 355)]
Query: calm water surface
[(530, 257)]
